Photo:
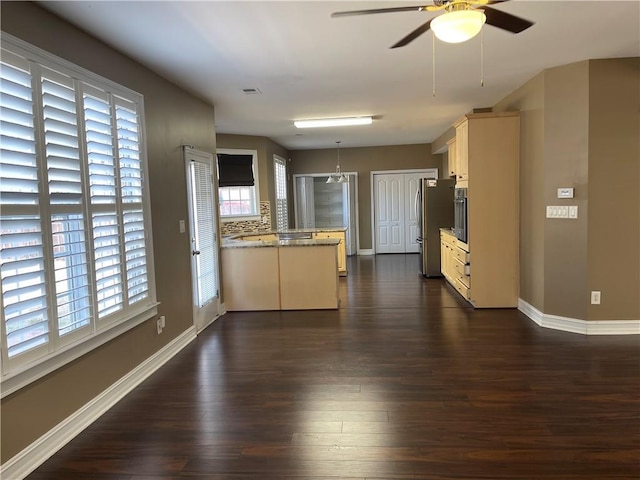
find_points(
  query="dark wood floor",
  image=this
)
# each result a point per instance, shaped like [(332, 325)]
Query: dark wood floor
[(405, 381)]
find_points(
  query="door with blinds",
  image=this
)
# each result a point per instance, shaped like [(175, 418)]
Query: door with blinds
[(203, 221)]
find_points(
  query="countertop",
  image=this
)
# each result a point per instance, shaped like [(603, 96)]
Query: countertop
[(238, 243)]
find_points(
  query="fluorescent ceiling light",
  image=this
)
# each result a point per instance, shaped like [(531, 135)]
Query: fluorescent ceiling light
[(333, 122)]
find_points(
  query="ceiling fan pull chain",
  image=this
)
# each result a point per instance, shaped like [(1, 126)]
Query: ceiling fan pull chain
[(481, 59), (433, 65)]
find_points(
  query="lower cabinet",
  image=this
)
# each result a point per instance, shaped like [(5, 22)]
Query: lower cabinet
[(455, 262), (342, 248)]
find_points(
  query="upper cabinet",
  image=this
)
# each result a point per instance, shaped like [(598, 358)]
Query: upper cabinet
[(462, 152), (452, 157)]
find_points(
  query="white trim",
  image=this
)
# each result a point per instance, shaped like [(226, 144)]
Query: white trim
[(30, 458), (574, 325), (365, 251)]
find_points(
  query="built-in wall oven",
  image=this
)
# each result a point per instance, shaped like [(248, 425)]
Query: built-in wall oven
[(460, 214)]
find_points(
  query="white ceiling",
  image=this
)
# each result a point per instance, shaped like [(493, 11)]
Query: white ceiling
[(308, 65)]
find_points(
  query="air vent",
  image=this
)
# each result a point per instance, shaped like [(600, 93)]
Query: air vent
[(251, 91)]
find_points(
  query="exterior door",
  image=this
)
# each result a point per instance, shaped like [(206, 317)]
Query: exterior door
[(389, 213), (203, 221)]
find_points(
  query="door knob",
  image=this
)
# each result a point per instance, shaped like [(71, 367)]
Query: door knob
[(195, 252)]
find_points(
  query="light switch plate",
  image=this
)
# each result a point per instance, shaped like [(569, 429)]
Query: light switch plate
[(565, 192), (182, 226), (573, 211)]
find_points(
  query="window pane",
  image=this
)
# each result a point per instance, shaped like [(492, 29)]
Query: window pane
[(73, 298)]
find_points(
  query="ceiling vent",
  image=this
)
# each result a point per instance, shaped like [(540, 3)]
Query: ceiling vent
[(251, 91)]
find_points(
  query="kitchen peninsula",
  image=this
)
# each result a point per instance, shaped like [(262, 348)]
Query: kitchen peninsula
[(287, 270)]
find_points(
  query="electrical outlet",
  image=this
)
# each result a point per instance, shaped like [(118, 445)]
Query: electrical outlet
[(595, 298), (159, 325), (163, 321)]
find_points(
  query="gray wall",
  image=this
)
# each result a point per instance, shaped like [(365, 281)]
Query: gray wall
[(173, 118)]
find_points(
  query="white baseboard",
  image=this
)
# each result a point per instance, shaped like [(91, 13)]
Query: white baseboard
[(25, 462), (574, 325), (365, 251)]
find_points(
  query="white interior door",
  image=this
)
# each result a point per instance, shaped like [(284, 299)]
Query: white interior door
[(389, 213), (203, 221), (412, 229)]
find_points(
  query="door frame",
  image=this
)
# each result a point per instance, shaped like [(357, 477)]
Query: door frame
[(326, 175), (426, 171), (213, 309)]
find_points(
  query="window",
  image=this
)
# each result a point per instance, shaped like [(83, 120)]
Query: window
[(240, 202), (75, 254), (280, 176)]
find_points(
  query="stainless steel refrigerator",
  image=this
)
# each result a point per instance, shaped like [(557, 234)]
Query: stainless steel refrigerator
[(434, 210)]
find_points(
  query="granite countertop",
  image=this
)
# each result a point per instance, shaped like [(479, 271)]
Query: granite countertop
[(238, 243), (448, 231)]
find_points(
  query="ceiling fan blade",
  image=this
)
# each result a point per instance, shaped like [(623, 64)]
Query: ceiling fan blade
[(506, 21), (413, 35), (378, 10)]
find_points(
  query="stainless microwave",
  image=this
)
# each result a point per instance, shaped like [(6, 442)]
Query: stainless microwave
[(460, 214)]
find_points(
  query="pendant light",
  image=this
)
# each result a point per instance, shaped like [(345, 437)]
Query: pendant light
[(337, 177)]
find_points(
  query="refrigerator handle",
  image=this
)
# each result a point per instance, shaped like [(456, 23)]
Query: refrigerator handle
[(416, 207)]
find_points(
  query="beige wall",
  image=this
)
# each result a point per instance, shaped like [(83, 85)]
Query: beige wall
[(580, 128), (614, 195), (364, 161), (173, 118)]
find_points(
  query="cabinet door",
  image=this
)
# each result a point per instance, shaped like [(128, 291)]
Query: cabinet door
[(452, 157), (389, 213), (342, 248), (462, 151)]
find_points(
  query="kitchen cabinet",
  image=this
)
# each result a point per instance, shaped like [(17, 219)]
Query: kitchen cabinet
[(452, 157), (342, 249), (280, 275), (462, 152), (455, 263), (488, 153)]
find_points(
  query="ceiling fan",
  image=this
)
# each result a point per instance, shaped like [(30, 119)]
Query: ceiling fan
[(462, 20)]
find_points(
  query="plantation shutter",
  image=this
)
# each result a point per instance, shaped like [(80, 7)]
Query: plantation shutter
[(103, 190), (64, 175), (281, 193), (130, 168), (22, 267)]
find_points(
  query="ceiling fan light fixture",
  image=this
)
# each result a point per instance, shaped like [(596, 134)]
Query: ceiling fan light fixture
[(458, 26), (333, 122)]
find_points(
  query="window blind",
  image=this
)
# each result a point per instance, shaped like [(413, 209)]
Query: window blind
[(235, 170)]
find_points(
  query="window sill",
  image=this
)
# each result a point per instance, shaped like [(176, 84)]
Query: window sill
[(23, 376), (241, 218)]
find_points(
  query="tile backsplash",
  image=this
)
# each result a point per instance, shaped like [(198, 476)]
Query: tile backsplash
[(248, 226)]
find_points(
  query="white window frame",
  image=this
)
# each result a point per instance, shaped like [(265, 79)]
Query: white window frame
[(256, 186), (19, 372)]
